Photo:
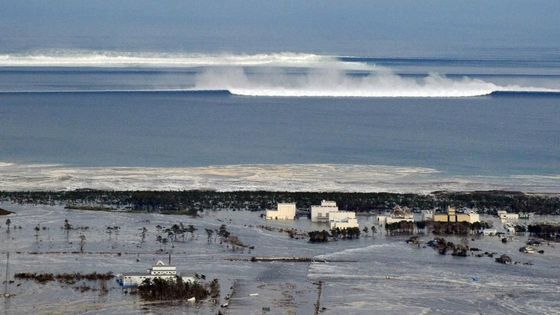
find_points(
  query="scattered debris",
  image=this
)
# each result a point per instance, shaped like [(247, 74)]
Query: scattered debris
[(504, 259)]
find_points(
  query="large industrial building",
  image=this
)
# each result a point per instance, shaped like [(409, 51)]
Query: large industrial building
[(321, 213), (453, 216)]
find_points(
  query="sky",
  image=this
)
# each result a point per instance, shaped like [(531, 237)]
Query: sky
[(377, 28)]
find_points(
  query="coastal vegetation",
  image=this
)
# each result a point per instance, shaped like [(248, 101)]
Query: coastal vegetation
[(68, 278), (335, 234), (318, 236), (177, 289), (546, 231), (399, 228), (443, 246), (458, 228), (192, 201)]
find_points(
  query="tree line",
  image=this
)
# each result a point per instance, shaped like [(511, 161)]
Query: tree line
[(191, 201)]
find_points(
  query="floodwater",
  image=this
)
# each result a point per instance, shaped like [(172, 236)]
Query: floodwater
[(380, 274)]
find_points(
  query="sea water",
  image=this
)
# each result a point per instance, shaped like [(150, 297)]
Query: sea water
[(300, 121)]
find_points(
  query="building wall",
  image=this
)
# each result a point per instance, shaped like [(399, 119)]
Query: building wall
[(341, 215), (284, 211), (441, 217), (350, 223), (321, 213), (509, 216), (489, 231), (427, 215), (343, 219), (391, 220), (459, 217), (474, 217)]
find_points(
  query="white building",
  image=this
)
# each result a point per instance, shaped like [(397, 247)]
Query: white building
[(489, 232), (321, 213), (427, 215), (343, 220), (284, 211), (509, 228), (348, 223), (505, 216), (398, 215), (160, 270), (452, 216)]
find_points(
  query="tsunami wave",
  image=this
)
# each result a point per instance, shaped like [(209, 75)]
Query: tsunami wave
[(175, 60), (204, 92), (274, 75), (270, 177), (334, 82)]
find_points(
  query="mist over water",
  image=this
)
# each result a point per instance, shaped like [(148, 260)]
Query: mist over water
[(379, 82), (283, 74)]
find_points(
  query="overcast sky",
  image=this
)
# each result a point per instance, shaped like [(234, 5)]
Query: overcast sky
[(388, 28)]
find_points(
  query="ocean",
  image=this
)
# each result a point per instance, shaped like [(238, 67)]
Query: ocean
[(280, 121)]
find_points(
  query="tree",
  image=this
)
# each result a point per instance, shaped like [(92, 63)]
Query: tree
[(235, 242), (334, 232), (37, 229), (318, 236), (191, 230), (223, 232), (209, 232), (420, 225), (67, 227), (214, 289), (143, 234), (82, 242), (176, 230)]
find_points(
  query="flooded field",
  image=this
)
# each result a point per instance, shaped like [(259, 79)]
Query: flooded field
[(374, 274)]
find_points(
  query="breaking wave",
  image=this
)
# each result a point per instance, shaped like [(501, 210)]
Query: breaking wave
[(271, 177), (283, 74), (123, 59), (376, 82)]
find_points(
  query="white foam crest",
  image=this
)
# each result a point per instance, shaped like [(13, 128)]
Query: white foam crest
[(138, 59), (334, 82), (283, 177), (323, 75), (351, 252)]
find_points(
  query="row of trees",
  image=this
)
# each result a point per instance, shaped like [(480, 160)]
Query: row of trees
[(443, 246), (176, 289), (336, 233), (191, 201), (399, 228), (458, 228), (546, 231), (438, 228)]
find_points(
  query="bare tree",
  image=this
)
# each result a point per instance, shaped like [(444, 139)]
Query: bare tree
[(143, 235), (37, 229), (67, 227), (82, 242), (209, 232)]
